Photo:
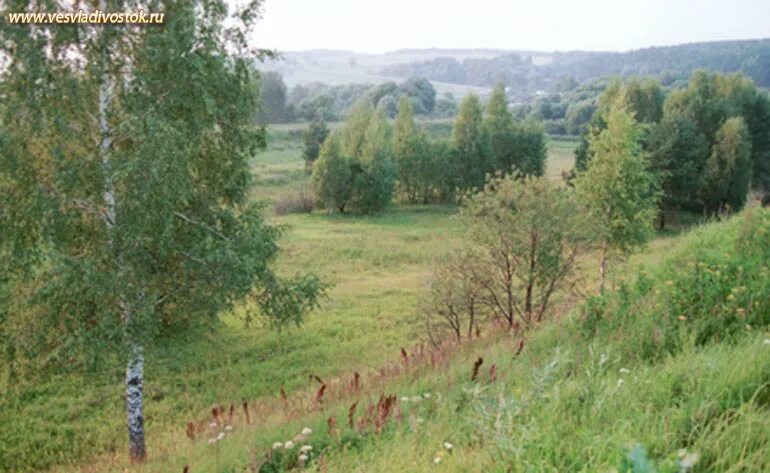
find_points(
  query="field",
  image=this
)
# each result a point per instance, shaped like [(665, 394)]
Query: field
[(378, 269)]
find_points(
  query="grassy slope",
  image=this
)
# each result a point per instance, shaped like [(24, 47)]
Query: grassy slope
[(379, 267), (560, 406)]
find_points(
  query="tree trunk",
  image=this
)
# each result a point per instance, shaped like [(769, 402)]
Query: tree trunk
[(135, 367), (134, 405)]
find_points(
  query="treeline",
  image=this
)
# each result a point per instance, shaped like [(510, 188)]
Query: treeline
[(709, 143), (524, 77), (331, 103), (362, 167)]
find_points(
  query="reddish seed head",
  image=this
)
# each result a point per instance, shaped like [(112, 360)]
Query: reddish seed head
[(476, 367)]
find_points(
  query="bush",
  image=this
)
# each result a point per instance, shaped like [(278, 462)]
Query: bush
[(713, 289), (301, 202)]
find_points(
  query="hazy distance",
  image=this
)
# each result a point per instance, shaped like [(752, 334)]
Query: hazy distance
[(543, 25)]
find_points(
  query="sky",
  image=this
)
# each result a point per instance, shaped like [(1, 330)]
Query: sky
[(545, 25)]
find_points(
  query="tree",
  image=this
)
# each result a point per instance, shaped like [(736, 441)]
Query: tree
[(529, 149), (411, 155), (125, 163), (472, 142), (356, 125), (677, 153), (619, 188), (332, 175), (313, 138), (642, 99), (454, 304), (273, 94), (709, 101), (727, 175), (515, 147), (422, 94), (526, 235), (499, 127), (362, 182), (373, 186)]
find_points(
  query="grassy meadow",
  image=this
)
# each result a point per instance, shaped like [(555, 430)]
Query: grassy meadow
[(565, 401)]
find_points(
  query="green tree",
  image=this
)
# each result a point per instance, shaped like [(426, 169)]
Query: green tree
[(727, 175), (273, 94), (472, 143), (643, 99), (125, 179), (333, 175), (677, 154), (411, 155), (356, 125), (374, 185), (499, 127), (619, 188), (711, 99), (529, 149), (313, 139), (526, 235)]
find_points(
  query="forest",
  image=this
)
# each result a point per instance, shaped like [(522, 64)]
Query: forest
[(207, 265)]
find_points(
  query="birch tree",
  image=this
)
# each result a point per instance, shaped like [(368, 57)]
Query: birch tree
[(619, 189), (124, 175)]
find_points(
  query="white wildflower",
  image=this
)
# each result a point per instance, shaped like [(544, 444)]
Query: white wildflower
[(620, 382), (624, 370), (766, 342), (307, 431), (220, 436), (306, 448), (689, 460), (302, 458), (449, 447), (426, 395), (289, 444), (212, 441), (437, 460), (416, 399), (277, 445), (228, 428), (405, 399), (213, 425)]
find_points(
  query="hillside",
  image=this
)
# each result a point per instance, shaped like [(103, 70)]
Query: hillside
[(630, 381), (601, 374), (526, 72)]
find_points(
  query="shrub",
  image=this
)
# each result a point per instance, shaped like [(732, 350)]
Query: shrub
[(295, 203), (713, 289)]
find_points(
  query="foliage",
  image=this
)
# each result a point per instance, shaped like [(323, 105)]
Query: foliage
[(332, 175), (273, 99), (313, 139), (524, 238), (727, 173), (472, 142), (126, 165), (619, 189), (355, 170)]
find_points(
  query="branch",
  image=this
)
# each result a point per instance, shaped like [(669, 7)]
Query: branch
[(200, 224)]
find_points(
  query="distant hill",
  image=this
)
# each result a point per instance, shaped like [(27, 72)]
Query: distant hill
[(526, 73), (531, 71)]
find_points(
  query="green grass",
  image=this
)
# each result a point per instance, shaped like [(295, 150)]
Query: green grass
[(378, 267), (560, 406), (568, 412)]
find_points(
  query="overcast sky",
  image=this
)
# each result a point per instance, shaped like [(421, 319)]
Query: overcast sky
[(384, 25)]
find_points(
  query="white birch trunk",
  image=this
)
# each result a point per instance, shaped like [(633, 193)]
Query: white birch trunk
[(134, 381)]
